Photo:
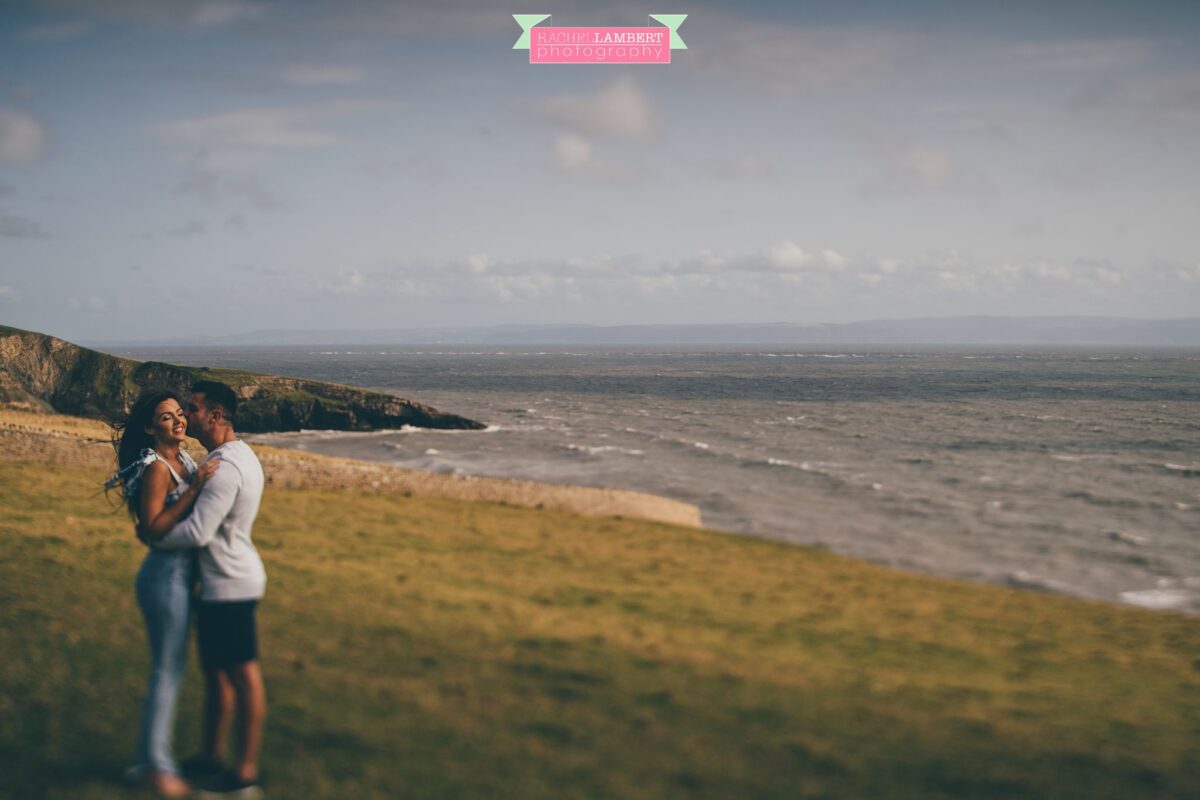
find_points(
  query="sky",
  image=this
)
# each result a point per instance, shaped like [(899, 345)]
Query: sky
[(189, 167)]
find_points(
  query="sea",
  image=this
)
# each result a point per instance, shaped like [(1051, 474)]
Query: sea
[(1067, 470)]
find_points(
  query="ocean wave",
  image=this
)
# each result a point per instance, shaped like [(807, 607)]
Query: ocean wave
[(1160, 599), (607, 448)]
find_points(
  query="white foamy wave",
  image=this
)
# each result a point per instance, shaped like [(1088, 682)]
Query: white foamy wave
[(1159, 599), (803, 466), (1129, 538), (608, 448)]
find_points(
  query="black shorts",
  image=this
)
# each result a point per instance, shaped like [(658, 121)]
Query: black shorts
[(226, 633)]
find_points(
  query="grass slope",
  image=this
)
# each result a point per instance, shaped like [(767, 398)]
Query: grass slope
[(421, 648)]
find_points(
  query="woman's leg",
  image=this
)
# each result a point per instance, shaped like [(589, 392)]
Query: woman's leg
[(164, 593)]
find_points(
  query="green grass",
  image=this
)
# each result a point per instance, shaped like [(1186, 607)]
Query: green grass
[(417, 648)]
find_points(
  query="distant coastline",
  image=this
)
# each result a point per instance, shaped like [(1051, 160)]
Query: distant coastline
[(965, 330)]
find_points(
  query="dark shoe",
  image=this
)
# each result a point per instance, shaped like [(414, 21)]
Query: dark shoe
[(201, 769), (229, 785)]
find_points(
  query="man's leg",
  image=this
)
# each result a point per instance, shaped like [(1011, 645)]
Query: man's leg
[(252, 713), (219, 698)]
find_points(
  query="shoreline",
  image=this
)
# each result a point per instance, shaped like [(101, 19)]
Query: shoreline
[(79, 441), (69, 440)]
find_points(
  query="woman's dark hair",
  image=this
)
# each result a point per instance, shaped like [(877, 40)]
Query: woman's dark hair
[(129, 435)]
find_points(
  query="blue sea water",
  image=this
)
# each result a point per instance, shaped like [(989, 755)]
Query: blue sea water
[(1068, 470)]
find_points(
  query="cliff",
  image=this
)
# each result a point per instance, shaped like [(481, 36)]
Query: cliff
[(41, 372)]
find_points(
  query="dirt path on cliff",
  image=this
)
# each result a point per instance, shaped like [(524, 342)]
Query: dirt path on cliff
[(77, 441)]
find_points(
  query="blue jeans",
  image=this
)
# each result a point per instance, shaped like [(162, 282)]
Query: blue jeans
[(164, 592)]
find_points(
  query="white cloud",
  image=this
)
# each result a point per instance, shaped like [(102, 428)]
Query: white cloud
[(22, 138), (347, 281), (254, 128), (822, 278), (478, 263), (8, 293), (222, 13), (621, 109), (834, 259), (910, 168), (320, 75), (573, 154), (789, 255)]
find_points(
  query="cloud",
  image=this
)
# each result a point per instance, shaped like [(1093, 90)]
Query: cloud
[(620, 110), (322, 75), (8, 293), (207, 181), (250, 128), (57, 32), (1077, 55), (781, 277), (910, 169), (788, 255), (347, 281), (573, 154), (795, 60), (222, 13), (22, 138), (15, 227)]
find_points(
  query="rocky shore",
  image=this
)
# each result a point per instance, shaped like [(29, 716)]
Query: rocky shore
[(44, 373)]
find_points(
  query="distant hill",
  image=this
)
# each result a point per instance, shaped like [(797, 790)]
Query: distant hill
[(979, 330), (42, 372)]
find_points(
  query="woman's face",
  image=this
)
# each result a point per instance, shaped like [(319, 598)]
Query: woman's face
[(168, 425)]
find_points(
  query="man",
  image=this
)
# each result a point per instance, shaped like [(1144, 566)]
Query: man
[(232, 581)]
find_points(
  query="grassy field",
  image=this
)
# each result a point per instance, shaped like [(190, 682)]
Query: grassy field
[(420, 648)]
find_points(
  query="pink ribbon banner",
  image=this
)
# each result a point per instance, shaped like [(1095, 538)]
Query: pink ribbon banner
[(600, 45)]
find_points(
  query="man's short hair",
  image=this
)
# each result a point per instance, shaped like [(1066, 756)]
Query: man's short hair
[(217, 394)]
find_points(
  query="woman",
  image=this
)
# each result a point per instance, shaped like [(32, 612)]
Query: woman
[(161, 483)]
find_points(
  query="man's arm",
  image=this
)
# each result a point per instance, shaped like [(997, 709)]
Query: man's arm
[(212, 507)]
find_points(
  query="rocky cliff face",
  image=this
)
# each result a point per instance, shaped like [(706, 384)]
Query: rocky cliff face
[(42, 372)]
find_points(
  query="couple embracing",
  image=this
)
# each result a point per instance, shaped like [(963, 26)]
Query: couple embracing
[(196, 522)]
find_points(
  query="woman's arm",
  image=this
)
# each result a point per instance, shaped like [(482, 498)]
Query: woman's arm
[(158, 517)]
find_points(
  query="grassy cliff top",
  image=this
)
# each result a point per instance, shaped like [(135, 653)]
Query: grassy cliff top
[(427, 648)]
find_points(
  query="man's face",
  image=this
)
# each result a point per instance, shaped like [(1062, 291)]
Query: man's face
[(199, 418)]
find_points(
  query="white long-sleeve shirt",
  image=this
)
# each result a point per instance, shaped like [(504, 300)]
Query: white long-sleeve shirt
[(220, 523)]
